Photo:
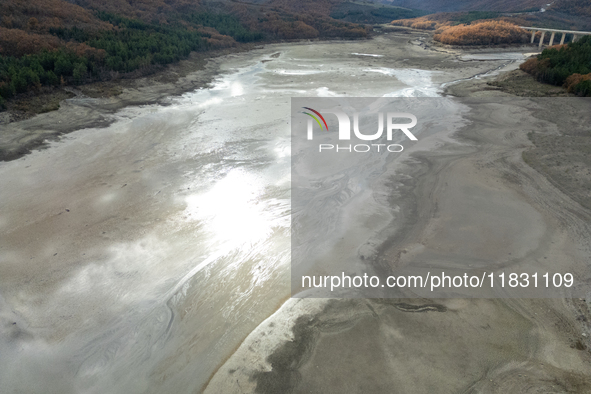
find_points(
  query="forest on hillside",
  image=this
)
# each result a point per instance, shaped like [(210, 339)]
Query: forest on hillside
[(73, 55), (55, 42), (566, 65)]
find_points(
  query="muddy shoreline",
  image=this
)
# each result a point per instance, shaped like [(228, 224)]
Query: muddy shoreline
[(60, 111), (92, 105), (34, 110)]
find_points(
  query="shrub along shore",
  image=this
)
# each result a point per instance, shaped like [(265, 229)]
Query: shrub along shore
[(564, 65)]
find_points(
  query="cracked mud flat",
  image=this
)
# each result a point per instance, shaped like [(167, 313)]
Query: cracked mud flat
[(147, 256)]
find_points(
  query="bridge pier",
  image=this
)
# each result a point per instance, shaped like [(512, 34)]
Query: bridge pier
[(534, 30), (541, 40)]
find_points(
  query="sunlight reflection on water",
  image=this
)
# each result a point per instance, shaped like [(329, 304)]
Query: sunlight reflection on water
[(231, 209)]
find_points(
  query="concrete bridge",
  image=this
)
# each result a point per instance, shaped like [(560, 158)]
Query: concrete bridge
[(534, 30)]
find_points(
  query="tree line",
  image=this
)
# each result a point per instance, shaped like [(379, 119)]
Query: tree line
[(52, 51)]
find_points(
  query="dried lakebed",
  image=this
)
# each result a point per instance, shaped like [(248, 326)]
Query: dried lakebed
[(152, 255)]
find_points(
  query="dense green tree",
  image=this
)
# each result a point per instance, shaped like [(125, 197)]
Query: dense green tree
[(7, 89), (79, 72), (558, 66), (63, 66), (20, 83), (50, 78)]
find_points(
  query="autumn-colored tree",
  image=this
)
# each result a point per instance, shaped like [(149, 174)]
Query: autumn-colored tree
[(33, 23), (7, 22), (575, 79), (43, 14), (427, 22), (17, 42), (483, 33)]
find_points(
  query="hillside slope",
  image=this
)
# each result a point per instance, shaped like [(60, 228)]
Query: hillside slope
[(58, 42)]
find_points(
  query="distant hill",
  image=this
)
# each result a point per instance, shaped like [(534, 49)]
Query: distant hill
[(557, 14), (358, 12), (355, 11), (572, 7), (572, 14)]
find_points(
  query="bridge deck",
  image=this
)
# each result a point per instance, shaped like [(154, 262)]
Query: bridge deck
[(557, 30)]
